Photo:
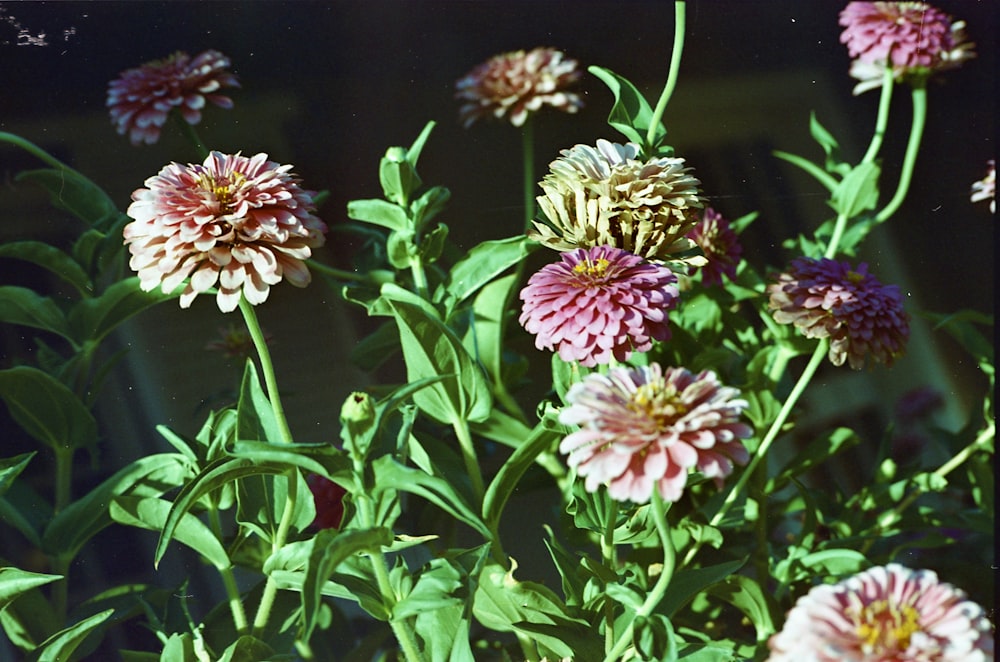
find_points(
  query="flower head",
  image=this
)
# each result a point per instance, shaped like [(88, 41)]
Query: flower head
[(910, 37), (827, 299), (141, 98), (644, 428), (239, 223), (885, 614), (721, 247), (328, 498), (986, 188), (597, 304), (605, 195), (512, 85)]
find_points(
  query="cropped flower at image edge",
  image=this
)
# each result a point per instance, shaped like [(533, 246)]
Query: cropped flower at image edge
[(237, 223)]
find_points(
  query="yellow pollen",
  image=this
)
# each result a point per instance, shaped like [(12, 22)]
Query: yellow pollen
[(855, 277), (885, 627), (659, 402), (593, 269), (223, 188)]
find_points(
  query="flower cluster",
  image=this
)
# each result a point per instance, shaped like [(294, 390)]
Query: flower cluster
[(598, 304), (885, 614), (141, 99), (720, 245), (986, 188), (606, 195), (913, 38), (513, 85), (645, 428), (242, 223), (828, 299)]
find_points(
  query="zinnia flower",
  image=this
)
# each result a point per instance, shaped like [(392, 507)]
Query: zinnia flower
[(913, 38), (141, 98), (827, 299), (237, 222), (720, 245), (986, 188), (512, 85), (605, 195), (597, 304), (885, 614), (644, 428), (328, 497)]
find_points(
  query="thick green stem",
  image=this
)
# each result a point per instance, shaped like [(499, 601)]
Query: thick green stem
[(610, 554), (419, 276), (912, 150), (663, 581), (461, 428), (680, 12), (228, 580), (528, 160), (838, 233), (882, 119), (277, 542)]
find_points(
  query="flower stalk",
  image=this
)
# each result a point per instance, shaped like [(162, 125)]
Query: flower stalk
[(912, 150), (680, 14)]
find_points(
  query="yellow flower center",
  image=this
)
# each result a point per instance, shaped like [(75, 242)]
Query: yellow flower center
[(595, 269), (659, 402), (855, 277), (886, 627), (223, 188)]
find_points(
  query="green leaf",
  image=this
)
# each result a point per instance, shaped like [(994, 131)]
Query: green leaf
[(261, 504), (857, 191), (485, 262), (247, 649), (52, 259), (11, 468), (830, 146), (631, 113), (60, 646), (151, 513), (837, 562), (320, 458), (690, 581), (379, 212), (432, 244), (400, 249), (72, 192), (746, 595), (92, 319), (254, 414), (14, 582), (505, 482), (485, 336), (46, 409), (19, 305), (817, 452), (431, 203)]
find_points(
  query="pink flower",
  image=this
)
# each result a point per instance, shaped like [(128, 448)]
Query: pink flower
[(597, 304), (328, 498), (827, 299), (644, 428), (986, 188), (237, 222), (911, 37), (141, 98), (512, 85), (720, 245), (885, 614)]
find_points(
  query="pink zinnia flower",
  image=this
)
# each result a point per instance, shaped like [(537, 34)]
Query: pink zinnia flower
[(328, 497), (644, 428), (885, 614), (827, 299), (512, 85), (986, 188), (721, 247), (241, 223), (910, 37), (597, 304), (141, 98)]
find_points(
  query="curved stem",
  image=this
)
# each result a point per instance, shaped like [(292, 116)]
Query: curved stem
[(765, 444), (228, 580), (191, 134), (277, 542), (680, 12), (33, 149), (663, 581), (882, 119), (838, 233), (912, 150)]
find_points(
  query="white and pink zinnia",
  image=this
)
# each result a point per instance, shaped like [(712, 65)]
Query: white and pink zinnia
[(239, 224)]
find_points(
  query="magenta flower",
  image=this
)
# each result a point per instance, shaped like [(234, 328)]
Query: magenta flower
[(643, 428), (597, 304), (328, 497), (986, 188), (827, 299), (513, 85), (235, 222), (885, 614), (719, 244), (910, 37), (141, 98)]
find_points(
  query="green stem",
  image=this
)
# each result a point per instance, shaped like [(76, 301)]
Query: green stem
[(228, 580), (772, 433), (882, 119), (191, 134), (912, 150), (838, 233), (610, 554), (663, 581), (680, 12), (33, 149), (339, 274), (461, 428), (528, 159), (277, 542), (267, 368), (64, 478), (419, 276)]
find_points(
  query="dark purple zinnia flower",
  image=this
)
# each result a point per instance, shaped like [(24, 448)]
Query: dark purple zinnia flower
[(719, 244), (141, 98), (644, 428), (827, 299), (597, 304)]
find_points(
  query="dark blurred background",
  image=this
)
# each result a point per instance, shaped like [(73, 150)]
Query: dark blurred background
[(328, 86)]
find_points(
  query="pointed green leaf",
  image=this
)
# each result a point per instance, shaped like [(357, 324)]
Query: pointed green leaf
[(254, 414), (857, 191), (746, 595), (631, 113), (60, 646), (485, 262), (151, 513), (46, 409), (52, 259), (14, 582), (505, 482), (19, 305), (10, 468), (92, 319), (72, 192), (690, 581), (379, 212)]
